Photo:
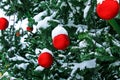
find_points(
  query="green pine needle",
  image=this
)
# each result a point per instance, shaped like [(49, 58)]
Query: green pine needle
[(115, 25)]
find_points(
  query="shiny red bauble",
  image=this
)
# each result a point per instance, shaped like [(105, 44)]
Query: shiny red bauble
[(3, 23), (17, 34), (29, 28), (61, 41), (45, 60), (107, 9)]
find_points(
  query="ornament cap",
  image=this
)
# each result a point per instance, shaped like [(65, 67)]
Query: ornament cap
[(58, 30), (46, 50), (100, 1)]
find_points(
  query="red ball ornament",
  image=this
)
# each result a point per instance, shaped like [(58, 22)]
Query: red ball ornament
[(3, 23), (45, 59), (107, 9), (17, 34), (60, 38), (61, 41), (29, 29)]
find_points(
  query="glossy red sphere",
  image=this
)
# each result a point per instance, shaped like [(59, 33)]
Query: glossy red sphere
[(61, 41), (45, 60), (17, 34), (3, 23), (29, 29), (108, 9)]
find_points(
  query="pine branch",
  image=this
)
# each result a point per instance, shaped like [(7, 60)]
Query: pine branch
[(115, 25)]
